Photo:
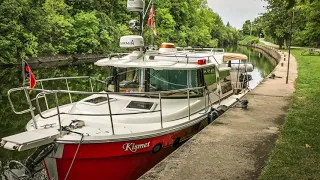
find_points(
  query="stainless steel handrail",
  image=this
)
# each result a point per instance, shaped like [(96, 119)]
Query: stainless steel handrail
[(61, 78), (111, 120), (58, 113), (41, 84), (44, 92), (210, 49)]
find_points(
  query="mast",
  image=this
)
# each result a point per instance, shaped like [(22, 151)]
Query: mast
[(139, 6)]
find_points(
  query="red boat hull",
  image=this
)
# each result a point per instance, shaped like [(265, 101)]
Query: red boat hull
[(117, 160)]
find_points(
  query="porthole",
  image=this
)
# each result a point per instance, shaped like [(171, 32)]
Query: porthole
[(176, 142), (156, 148)]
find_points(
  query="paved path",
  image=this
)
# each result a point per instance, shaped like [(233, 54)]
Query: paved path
[(238, 143), (277, 46)]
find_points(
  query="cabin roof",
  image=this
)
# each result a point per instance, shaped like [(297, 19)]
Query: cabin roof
[(155, 60), (181, 60)]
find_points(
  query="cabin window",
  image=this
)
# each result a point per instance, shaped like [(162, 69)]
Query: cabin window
[(225, 81), (129, 80), (210, 78)]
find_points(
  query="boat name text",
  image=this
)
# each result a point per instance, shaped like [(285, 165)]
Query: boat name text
[(133, 147)]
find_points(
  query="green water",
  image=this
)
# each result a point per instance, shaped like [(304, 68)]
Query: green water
[(262, 66), (10, 123)]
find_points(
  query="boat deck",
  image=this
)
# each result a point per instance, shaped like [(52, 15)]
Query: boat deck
[(100, 128)]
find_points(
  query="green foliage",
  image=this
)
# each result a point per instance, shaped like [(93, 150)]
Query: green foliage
[(85, 32), (15, 40), (249, 40), (50, 27), (309, 35), (246, 28)]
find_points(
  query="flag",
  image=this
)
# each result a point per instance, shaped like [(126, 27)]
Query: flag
[(29, 75), (151, 20)]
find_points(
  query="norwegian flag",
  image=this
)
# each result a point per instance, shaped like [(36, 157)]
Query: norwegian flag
[(151, 20), (29, 75)]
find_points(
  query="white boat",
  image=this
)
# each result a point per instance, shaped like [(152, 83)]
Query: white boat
[(155, 100)]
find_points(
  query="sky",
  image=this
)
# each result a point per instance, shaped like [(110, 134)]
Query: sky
[(237, 11)]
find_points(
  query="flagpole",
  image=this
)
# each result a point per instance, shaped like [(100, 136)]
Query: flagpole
[(288, 68), (23, 72)]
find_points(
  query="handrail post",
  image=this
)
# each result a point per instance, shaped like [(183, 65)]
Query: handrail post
[(45, 97), (68, 90), (160, 103), (58, 113), (30, 108), (91, 84), (188, 91), (110, 113), (204, 96)]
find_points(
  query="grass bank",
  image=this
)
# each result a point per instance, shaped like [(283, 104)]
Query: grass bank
[(297, 151)]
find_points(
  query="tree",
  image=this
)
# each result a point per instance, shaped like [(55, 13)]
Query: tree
[(50, 27), (15, 41), (86, 27), (57, 28), (276, 22), (246, 28)]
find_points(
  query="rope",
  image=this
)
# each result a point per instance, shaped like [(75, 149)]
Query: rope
[(74, 157)]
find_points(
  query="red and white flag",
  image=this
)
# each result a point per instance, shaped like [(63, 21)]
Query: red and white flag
[(151, 20)]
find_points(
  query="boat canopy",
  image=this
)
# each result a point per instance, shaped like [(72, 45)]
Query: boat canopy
[(234, 56)]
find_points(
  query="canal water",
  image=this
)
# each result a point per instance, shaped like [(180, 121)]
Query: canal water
[(10, 77)]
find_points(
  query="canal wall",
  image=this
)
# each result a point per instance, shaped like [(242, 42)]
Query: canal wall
[(58, 60), (238, 143)]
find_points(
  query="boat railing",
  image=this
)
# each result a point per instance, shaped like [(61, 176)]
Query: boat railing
[(119, 55), (213, 50), (41, 93)]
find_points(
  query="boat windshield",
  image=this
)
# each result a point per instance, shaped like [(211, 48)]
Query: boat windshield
[(167, 80), (134, 79)]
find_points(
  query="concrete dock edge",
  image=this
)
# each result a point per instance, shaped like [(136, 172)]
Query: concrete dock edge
[(238, 143)]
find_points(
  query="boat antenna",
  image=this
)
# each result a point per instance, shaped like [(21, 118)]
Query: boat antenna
[(138, 6)]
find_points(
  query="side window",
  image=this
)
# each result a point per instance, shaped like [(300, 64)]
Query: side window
[(225, 81), (210, 78)]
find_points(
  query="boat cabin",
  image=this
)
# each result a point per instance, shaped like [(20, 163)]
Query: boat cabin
[(166, 70)]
